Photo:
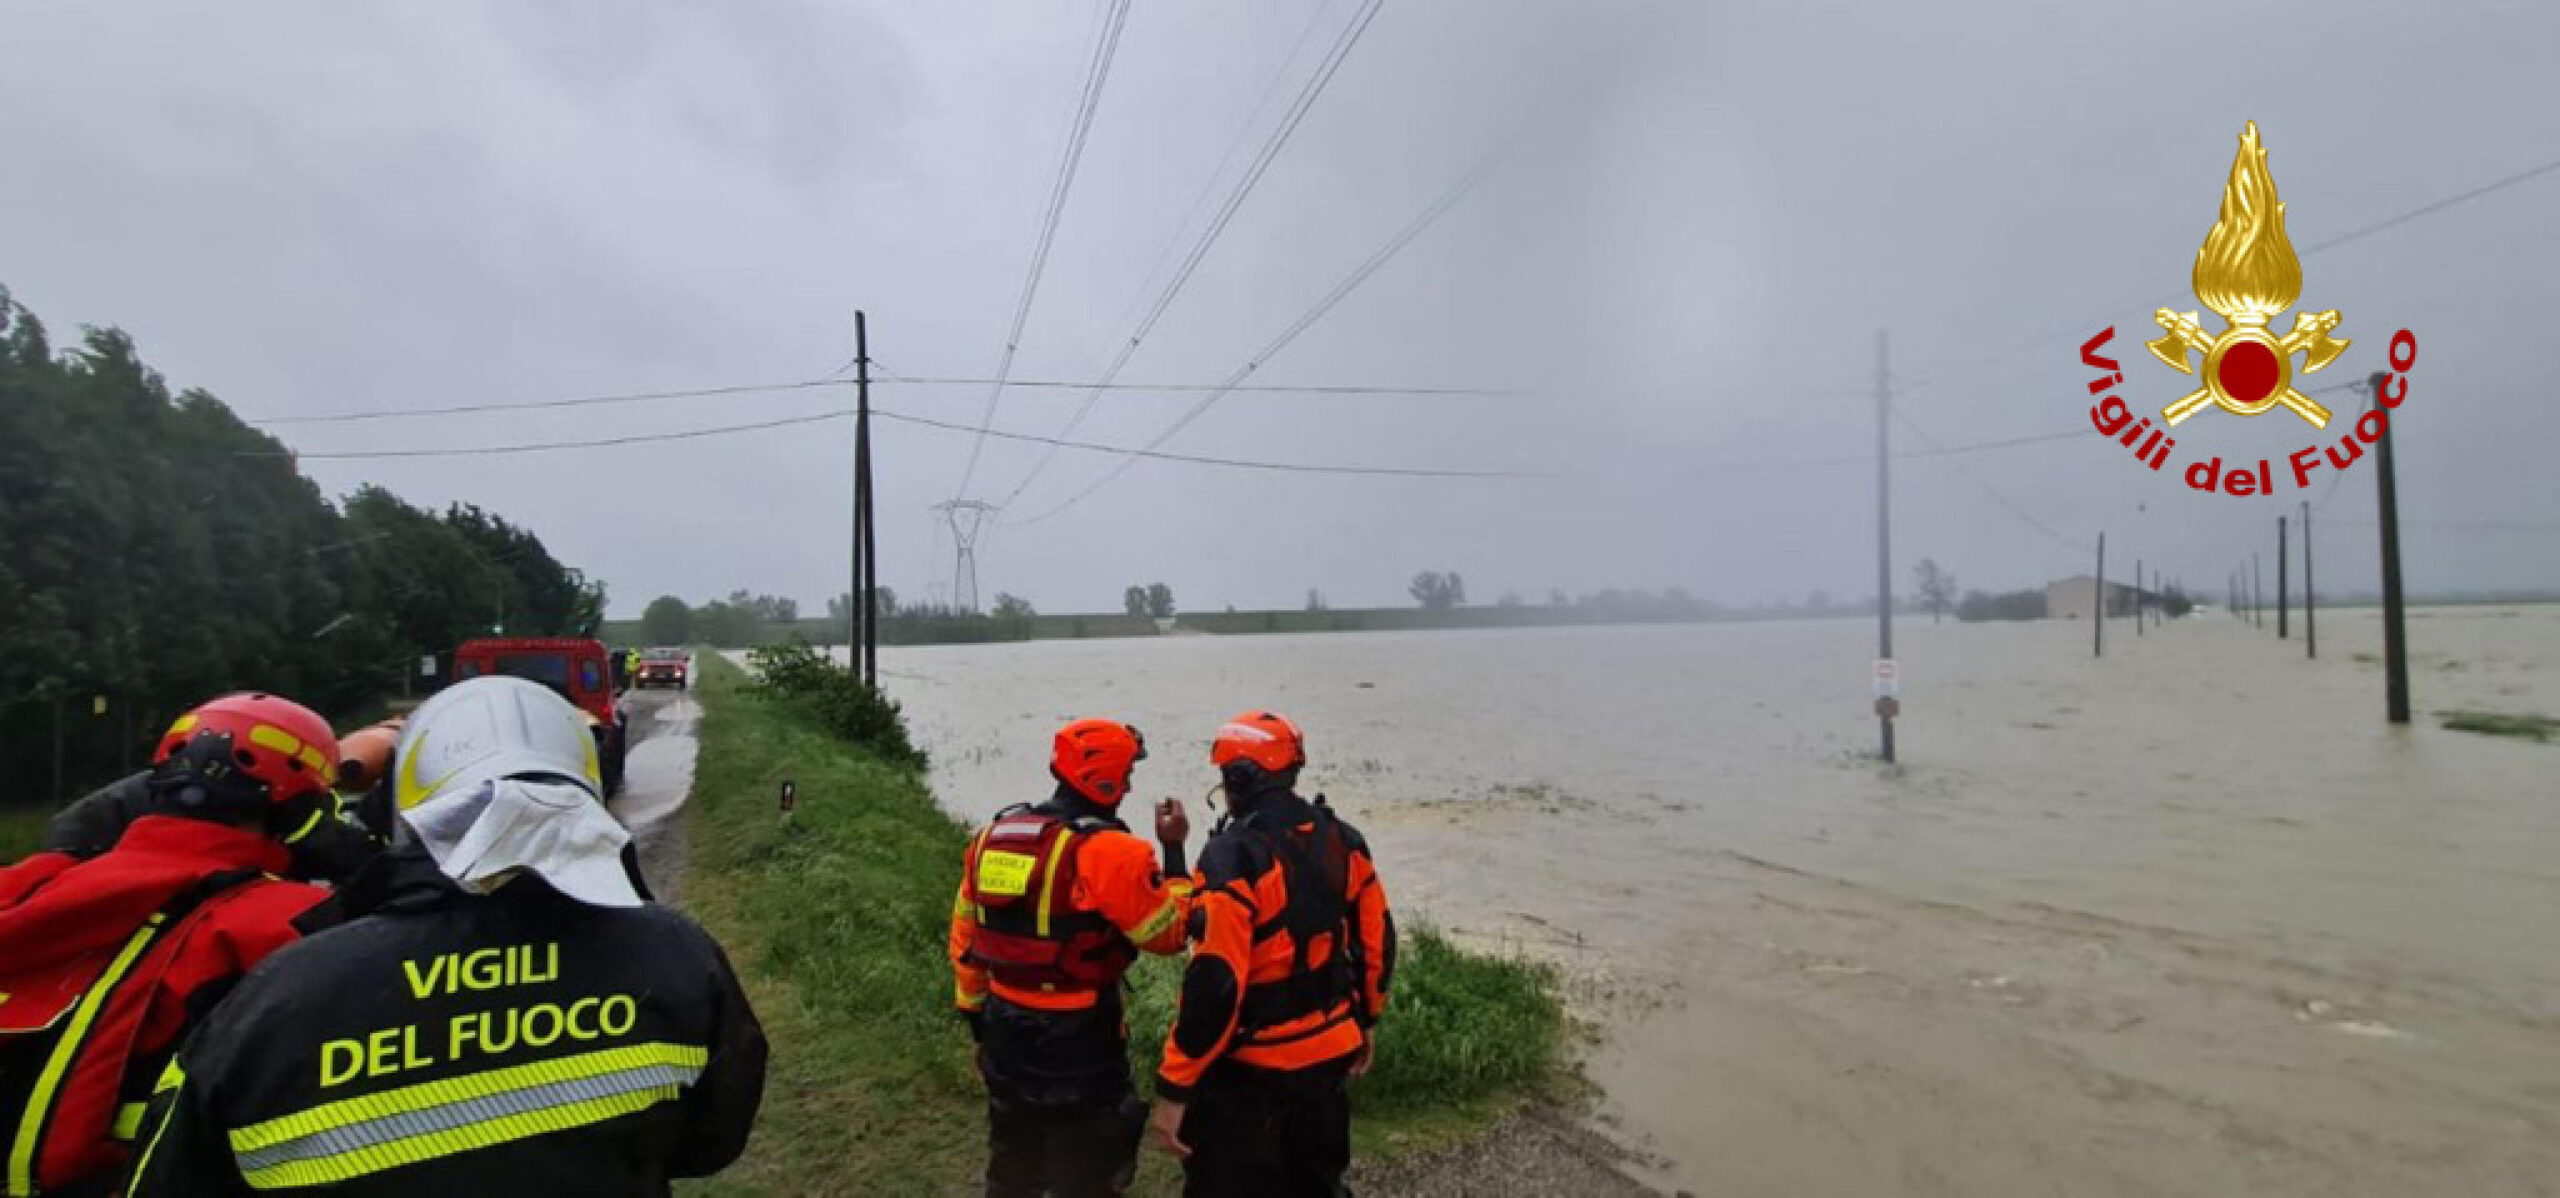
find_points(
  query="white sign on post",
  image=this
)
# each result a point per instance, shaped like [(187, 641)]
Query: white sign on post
[(1888, 678), (427, 666)]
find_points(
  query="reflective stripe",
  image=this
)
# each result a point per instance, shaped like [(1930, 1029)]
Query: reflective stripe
[(307, 825), (268, 736), (31, 1124), (1049, 878), (171, 1079), (1156, 924), (128, 1121), (368, 1134)]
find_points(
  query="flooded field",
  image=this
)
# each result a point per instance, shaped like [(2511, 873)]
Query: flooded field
[(2189, 919)]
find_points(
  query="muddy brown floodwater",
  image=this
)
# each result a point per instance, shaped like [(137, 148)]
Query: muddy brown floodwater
[(2188, 919)]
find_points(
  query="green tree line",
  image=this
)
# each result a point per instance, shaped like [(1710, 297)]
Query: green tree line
[(747, 620), (160, 551)]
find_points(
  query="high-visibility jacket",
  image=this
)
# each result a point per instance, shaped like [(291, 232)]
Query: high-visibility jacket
[(105, 964), (1064, 874), (1296, 946), (446, 1043)]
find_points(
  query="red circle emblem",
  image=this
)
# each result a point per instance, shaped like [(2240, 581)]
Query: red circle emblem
[(2248, 372)]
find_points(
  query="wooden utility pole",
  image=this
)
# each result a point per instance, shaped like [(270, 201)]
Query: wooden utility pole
[(2395, 643), (2284, 558), (862, 632), (2098, 599), (1886, 705), (2310, 605), (2138, 597)]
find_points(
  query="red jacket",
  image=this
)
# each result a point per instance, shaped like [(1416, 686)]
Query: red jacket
[(105, 964)]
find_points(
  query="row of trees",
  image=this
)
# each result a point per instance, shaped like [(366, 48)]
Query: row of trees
[(159, 551), (1153, 601), (744, 620), (741, 619), (1436, 591)]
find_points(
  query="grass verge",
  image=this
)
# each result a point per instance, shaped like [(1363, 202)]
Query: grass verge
[(2499, 723), (837, 920), (21, 831)]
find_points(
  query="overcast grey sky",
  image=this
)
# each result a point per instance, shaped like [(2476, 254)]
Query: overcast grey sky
[(1707, 213)]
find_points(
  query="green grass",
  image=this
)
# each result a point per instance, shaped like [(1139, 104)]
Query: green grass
[(21, 831), (837, 923), (2499, 723)]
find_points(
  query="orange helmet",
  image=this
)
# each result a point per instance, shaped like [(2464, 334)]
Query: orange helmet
[(1094, 758), (249, 750), (1265, 738)]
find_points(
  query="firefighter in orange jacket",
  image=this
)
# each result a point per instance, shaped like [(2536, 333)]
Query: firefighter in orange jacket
[(1055, 902), (1295, 951)]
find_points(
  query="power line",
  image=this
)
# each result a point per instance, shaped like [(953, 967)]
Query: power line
[(807, 384), (1236, 463), (547, 446), (2434, 206), (2483, 525), (2359, 233), (533, 405), (903, 418), (1979, 481), (1096, 72), (1370, 266), (1209, 183), (1308, 389), (1280, 134)]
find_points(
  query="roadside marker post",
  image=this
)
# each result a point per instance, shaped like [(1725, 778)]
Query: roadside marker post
[(790, 800)]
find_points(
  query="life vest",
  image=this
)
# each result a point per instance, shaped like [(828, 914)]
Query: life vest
[(1315, 870), (70, 1088), (1021, 879)]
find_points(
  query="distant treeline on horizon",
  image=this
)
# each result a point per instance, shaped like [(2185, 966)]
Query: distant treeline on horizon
[(744, 620)]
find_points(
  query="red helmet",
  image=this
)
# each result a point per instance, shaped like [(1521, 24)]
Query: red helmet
[(1265, 738), (280, 749), (1094, 758)]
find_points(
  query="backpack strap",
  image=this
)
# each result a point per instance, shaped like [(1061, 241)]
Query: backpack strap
[(53, 1058)]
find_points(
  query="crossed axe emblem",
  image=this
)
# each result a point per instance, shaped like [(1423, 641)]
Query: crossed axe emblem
[(2310, 337)]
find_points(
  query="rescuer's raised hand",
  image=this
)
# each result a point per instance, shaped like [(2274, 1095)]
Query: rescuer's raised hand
[(1173, 824)]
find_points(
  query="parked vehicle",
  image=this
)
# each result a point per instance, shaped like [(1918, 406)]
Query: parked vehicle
[(574, 666)]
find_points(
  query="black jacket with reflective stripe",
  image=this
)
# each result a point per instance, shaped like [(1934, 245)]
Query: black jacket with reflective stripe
[(449, 1044)]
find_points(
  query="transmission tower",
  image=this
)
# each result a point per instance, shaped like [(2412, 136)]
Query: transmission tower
[(967, 518)]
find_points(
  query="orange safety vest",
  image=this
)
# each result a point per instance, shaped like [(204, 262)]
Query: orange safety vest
[(1021, 880)]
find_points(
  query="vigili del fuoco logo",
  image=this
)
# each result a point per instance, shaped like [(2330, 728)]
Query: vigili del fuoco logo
[(2248, 274)]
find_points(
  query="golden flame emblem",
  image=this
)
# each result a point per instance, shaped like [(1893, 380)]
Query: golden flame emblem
[(2247, 272)]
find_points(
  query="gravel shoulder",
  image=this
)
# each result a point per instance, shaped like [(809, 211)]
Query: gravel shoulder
[(1538, 1153)]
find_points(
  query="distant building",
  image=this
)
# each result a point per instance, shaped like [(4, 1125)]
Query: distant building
[(2073, 598)]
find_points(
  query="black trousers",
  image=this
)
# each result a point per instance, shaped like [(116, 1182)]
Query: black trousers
[(1077, 1150), (1263, 1133)]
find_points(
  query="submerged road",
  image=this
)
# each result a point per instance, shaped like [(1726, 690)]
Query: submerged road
[(657, 778)]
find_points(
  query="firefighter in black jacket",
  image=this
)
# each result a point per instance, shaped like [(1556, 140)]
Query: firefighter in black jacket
[(503, 1016)]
